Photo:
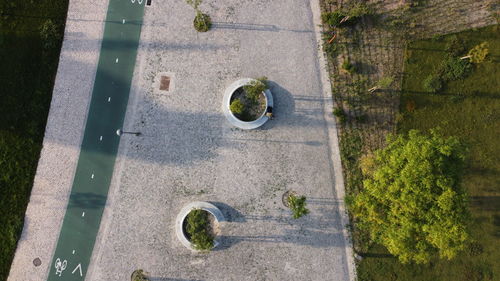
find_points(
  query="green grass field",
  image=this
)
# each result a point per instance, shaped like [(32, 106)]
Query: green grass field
[(469, 109), (27, 72)]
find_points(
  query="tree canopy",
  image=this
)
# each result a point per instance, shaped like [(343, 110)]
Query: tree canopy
[(412, 201)]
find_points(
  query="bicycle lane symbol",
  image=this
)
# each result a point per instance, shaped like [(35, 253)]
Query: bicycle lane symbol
[(60, 266)]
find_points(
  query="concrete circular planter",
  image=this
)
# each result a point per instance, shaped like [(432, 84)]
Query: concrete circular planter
[(232, 118), (179, 222)]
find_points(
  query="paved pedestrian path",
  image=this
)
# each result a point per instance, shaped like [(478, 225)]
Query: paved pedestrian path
[(100, 142)]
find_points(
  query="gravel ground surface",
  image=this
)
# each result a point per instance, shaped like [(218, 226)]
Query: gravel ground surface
[(189, 152)]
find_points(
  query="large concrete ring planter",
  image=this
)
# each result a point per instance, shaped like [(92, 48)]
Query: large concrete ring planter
[(205, 206), (230, 116)]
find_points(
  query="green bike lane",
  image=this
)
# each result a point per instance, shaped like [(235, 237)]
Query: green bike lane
[(100, 142)]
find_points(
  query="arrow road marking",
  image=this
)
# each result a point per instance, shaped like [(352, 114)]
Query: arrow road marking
[(79, 266)]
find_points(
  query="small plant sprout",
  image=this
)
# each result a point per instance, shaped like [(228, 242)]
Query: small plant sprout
[(297, 205), (383, 83), (202, 22), (139, 275)]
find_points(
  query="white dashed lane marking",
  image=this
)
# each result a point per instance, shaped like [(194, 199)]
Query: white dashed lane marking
[(109, 99), (83, 214), (73, 252), (100, 139), (123, 21), (116, 61), (92, 176)]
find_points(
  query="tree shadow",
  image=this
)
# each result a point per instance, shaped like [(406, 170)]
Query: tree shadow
[(230, 213), (254, 27), (171, 279), (86, 200), (313, 230)]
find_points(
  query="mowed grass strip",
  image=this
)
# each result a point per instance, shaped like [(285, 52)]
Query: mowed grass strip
[(469, 109), (27, 71)]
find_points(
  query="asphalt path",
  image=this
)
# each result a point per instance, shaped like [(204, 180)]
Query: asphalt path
[(100, 142)]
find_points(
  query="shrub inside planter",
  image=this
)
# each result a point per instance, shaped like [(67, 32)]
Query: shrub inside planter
[(248, 103), (199, 230)]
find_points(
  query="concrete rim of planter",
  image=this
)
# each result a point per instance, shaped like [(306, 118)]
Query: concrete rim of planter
[(205, 206), (230, 116)]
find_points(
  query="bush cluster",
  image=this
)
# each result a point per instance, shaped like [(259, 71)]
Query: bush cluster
[(350, 16), (198, 228), (452, 68)]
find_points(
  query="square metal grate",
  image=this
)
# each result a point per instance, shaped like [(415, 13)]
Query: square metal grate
[(164, 83)]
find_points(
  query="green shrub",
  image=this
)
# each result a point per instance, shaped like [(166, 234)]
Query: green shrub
[(255, 88), (202, 22), (332, 18), (340, 114), (198, 229), (432, 83), (454, 68), (237, 107), (349, 67), (297, 205)]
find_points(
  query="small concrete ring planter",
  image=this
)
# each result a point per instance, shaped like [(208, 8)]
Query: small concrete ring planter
[(205, 206), (233, 119)]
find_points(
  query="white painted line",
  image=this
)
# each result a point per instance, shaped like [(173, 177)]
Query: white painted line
[(109, 99), (92, 176), (100, 139), (123, 21), (83, 214), (116, 61), (73, 252)]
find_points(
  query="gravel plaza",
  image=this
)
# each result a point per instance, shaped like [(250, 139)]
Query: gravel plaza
[(188, 151)]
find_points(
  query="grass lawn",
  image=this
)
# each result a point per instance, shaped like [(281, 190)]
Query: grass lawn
[(27, 72), (469, 109)]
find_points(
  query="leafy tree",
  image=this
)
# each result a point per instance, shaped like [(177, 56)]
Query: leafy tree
[(237, 107), (478, 54), (413, 203), (297, 205), (198, 228)]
